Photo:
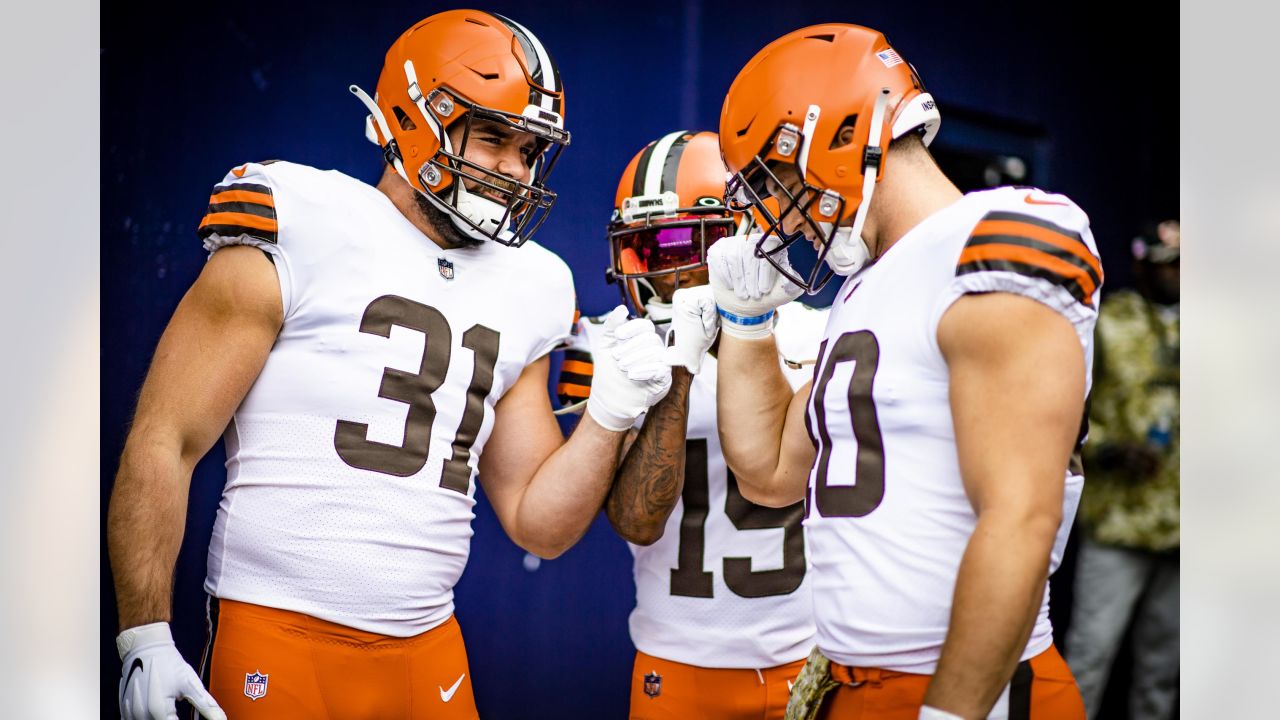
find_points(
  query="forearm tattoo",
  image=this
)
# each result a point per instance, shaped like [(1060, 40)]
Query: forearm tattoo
[(651, 475)]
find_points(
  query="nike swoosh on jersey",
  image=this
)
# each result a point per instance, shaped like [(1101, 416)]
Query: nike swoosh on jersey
[(137, 665), (447, 695), (1029, 201)]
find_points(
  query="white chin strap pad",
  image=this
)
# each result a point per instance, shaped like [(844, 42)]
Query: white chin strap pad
[(478, 209), (848, 252)]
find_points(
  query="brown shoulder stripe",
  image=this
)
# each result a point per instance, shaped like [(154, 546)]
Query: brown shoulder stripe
[(972, 261), (249, 208), (250, 187), (574, 378), (247, 196), (231, 231), (1034, 228), (1011, 242), (241, 209)]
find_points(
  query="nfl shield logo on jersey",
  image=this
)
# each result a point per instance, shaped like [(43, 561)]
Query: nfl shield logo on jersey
[(255, 685), (446, 268), (652, 684)]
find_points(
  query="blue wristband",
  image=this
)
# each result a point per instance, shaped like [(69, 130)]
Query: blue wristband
[(739, 320)]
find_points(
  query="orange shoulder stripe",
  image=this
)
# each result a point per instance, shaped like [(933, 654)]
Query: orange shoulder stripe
[(578, 366), (1035, 232), (242, 219), (574, 390), (1036, 258)]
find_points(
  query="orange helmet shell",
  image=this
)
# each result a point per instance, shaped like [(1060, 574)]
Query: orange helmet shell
[(485, 59), (840, 69), (685, 164)]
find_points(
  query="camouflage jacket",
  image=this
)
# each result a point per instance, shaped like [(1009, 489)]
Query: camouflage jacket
[(1134, 400)]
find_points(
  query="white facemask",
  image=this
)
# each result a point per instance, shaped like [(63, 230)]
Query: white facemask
[(848, 254)]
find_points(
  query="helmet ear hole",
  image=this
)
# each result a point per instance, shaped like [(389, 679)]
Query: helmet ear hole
[(406, 122), (844, 135)]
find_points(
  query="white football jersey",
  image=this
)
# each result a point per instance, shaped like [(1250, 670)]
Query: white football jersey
[(726, 585), (888, 519), (350, 461)]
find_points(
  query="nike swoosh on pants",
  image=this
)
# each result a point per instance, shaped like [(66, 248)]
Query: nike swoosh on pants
[(447, 695)]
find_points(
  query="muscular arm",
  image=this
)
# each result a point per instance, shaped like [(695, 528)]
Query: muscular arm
[(761, 423), (652, 473), (207, 359), (1017, 391), (545, 490)]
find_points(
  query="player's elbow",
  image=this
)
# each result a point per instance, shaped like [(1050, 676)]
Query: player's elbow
[(765, 492), (643, 536), (547, 548)]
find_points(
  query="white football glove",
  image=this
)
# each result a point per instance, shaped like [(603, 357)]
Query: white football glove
[(694, 326), (155, 677), (932, 713), (748, 289), (630, 375)]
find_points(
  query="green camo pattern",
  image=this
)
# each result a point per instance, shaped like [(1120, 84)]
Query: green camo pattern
[(1135, 399)]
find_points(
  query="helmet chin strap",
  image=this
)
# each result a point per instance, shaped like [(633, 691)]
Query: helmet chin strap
[(375, 116), (848, 251)]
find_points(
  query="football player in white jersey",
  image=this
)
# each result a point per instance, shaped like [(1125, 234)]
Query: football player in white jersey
[(723, 617), (365, 352), (935, 441)]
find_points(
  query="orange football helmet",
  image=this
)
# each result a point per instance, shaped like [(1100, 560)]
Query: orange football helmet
[(462, 66), (826, 100), (668, 210)]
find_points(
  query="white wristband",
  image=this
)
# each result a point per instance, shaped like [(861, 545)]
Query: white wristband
[(931, 713)]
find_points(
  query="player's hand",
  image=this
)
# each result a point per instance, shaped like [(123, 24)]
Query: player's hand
[(747, 288), (155, 677), (630, 375), (694, 326)]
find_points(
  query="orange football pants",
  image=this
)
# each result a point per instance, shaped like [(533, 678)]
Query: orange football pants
[(1042, 689), (303, 668), (679, 692)]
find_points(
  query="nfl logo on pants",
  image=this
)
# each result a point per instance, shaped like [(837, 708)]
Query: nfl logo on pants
[(652, 684), (255, 685)]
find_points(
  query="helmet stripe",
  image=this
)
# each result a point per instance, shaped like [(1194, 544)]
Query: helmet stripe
[(543, 72), (671, 166), (642, 168), (654, 172)]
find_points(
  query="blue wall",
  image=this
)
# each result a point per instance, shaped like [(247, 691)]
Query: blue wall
[(187, 95)]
